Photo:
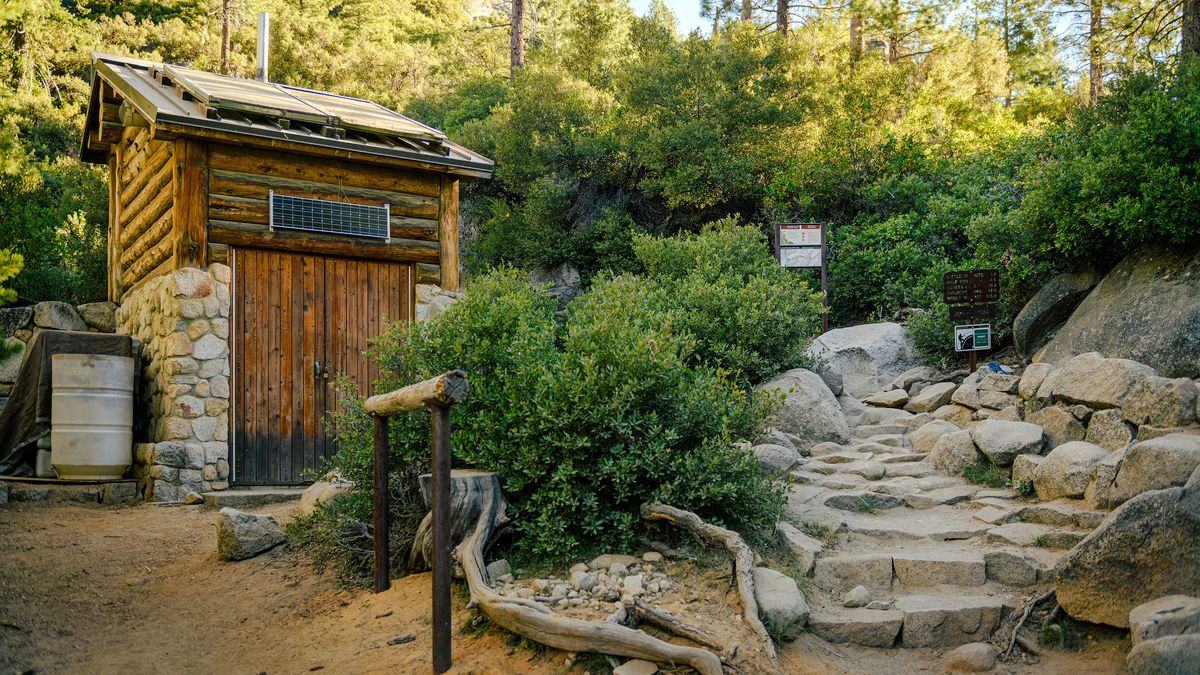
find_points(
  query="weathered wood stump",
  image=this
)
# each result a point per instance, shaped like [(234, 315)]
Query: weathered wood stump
[(478, 512)]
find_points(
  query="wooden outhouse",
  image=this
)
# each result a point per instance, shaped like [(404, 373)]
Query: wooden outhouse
[(331, 213)]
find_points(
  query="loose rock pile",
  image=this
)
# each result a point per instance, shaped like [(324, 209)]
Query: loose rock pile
[(604, 583)]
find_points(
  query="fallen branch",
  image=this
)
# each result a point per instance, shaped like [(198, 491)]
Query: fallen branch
[(743, 560), (1029, 607), (479, 503)]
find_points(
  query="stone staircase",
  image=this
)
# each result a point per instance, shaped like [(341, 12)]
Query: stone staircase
[(944, 560)]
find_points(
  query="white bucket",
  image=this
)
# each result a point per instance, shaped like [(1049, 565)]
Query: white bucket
[(91, 416)]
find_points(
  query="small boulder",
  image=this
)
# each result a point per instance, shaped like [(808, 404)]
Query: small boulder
[(606, 560), (858, 596), (1099, 492), (1066, 471), (1172, 655), (999, 382), (1107, 429), (931, 398), (636, 667), (804, 548), (958, 415), (582, 581), (13, 319), (1160, 401), (967, 393), (974, 657), (775, 457), (1059, 424), (323, 490), (102, 316), (912, 376), (1001, 441), (57, 316), (1168, 615), (895, 398), (1023, 468), (1032, 379), (779, 599), (925, 438), (192, 498), (1095, 381), (242, 535), (1166, 461), (953, 453), (498, 568), (1009, 568)]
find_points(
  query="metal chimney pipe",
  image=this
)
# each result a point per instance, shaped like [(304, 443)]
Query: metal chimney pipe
[(264, 46)]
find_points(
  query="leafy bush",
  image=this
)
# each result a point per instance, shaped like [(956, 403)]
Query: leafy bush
[(746, 313), (585, 421)]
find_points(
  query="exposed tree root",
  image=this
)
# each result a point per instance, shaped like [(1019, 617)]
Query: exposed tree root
[(478, 508), (1029, 607), (743, 560)]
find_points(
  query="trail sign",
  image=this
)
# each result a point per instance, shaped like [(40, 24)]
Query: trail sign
[(973, 338), (801, 246), (973, 312), (971, 287)]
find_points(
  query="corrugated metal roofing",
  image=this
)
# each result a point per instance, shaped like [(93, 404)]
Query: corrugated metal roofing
[(195, 98)]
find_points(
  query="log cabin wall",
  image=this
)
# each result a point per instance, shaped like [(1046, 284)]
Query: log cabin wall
[(240, 179), (141, 190)]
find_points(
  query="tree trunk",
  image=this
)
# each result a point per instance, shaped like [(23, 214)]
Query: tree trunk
[(857, 38), (478, 512), (747, 10), (517, 41), (1189, 42), (1008, 73), (1095, 52), (781, 16), (225, 37)]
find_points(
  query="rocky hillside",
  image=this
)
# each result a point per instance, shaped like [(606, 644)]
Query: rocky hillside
[(928, 508)]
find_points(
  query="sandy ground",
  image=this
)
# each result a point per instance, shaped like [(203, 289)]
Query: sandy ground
[(140, 590)]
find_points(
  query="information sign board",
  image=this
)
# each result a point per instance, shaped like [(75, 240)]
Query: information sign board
[(971, 287), (973, 337), (800, 257), (800, 234), (973, 312)]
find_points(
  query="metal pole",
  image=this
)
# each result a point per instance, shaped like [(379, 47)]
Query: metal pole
[(262, 73), (441, 536), (380, 497)]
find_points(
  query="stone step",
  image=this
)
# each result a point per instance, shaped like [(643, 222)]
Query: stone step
[(1031, 534), (903, 457), (948, 620), (868, 430), (890, 440), (938, 568), (865, 627), (248, 498), (1061, 515), (910, 469), (940, 497)]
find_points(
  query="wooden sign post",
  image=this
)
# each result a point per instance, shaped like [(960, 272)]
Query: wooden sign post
[(804, 245), (972, 296), (438, 395)]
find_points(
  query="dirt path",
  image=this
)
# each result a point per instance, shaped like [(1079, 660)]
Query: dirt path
[(140, 590)]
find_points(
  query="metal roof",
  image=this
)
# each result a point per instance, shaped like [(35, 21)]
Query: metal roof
[(195, 99)]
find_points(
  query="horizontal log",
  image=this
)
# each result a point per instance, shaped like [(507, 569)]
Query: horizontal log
[(133, 284), (445, 389), (256, 211), (398, 250), (256, 186), (428, 274), (319, 169), (218, 253)]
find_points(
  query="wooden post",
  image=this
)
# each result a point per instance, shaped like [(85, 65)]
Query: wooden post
[(824, 278), (441, 536), (448, 232), (190, 208), (383, 579)]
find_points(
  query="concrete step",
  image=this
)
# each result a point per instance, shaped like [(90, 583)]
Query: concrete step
[(248, 498)]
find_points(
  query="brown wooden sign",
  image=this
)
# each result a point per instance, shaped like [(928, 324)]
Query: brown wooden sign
[(974, 287), (973, 312)]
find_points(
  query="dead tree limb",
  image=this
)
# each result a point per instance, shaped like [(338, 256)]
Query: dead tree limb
[(479, 508), (1025, 617), (743, 560)]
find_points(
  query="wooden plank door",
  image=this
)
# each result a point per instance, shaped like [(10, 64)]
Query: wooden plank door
[(301, 320)]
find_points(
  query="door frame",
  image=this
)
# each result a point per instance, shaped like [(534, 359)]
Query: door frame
[(234, 325)]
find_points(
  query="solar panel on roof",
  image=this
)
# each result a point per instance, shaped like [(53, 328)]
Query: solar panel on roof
[(249, 96), (329, 217), (355, 113)]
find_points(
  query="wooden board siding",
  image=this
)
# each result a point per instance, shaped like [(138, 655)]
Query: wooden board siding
[(241, 179), (141, 212), (292, 311)]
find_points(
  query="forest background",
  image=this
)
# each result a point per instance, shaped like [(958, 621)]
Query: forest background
[(1021, 134)]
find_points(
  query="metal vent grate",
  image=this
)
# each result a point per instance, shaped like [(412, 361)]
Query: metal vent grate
[(329, 217)]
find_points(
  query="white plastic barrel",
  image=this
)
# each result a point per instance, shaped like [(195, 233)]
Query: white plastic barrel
[(91, 416)]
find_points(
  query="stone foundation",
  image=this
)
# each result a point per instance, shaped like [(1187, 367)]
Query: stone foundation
[(182, 319), (432, 301)]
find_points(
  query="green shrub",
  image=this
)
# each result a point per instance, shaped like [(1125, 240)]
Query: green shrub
[(746, 313), (985, 472), (585, 421)]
